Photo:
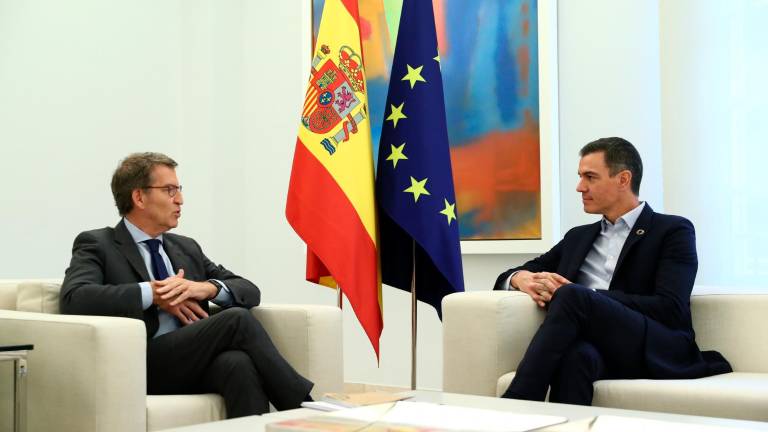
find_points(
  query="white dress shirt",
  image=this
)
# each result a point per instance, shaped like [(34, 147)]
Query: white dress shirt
[(597, 270)]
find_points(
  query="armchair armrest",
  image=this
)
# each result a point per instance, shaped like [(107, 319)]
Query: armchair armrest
[(310, 338), (485, 335), (86, 373)]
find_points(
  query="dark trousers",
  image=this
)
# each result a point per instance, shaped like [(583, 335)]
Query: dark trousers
[(586, 336), (230, 354)]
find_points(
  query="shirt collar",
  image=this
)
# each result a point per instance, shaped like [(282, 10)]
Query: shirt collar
[(137, 234), (629, 218)]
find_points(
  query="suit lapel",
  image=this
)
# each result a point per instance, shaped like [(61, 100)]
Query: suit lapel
[(178, 260), (580, 250), (638, 231), (128, 248)]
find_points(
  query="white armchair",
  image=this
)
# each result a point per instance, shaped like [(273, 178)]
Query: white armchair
[(88, 373), (486, 334)]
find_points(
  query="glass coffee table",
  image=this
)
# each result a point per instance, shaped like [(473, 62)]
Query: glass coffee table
[(18, 355)]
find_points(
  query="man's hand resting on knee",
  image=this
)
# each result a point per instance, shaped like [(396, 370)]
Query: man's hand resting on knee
[(540, 286)]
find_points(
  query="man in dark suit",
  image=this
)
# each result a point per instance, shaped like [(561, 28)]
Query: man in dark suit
[(617, 291), (139, 270)]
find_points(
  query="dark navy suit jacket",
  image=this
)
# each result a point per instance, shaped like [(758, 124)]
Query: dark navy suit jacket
[(654, 275)]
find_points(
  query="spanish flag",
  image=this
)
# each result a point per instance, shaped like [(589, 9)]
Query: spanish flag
[(331, 193)]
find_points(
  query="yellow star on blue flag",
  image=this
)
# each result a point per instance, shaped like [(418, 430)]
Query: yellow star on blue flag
[(396, 114), (396, 154), (417, 188), (414, 75), (449, 211)]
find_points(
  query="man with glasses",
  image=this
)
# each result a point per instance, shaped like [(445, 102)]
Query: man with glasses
[(139, 270)]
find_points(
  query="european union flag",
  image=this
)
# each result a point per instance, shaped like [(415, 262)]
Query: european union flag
[(414, 182)]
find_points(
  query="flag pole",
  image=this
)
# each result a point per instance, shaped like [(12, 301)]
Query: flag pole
[(338, 288), (413, 317)]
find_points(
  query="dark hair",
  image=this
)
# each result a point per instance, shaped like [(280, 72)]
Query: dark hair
[(620, 155), (132, 173)]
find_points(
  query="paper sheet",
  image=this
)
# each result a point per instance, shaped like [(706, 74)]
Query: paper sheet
[(451, 418)]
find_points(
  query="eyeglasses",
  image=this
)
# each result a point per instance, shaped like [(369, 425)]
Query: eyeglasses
[(171, 190)]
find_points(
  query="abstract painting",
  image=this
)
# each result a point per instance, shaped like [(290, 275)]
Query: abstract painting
[(489, 58), (489, 55)]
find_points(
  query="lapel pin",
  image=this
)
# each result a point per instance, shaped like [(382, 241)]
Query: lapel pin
[(640, 231)]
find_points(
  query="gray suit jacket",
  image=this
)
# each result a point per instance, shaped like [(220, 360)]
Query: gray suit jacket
[(106, 267)]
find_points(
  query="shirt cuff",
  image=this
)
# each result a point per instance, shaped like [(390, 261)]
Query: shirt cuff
[(224, 298), (146, 295), (508, 283)]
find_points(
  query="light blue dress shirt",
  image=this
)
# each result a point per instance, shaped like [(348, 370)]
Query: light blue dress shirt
[(167, 322), (597, 270)]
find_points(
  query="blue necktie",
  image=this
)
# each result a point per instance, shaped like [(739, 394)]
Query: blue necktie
[(158, 266)]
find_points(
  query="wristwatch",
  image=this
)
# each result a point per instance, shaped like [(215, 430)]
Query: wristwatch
[(218, 286)]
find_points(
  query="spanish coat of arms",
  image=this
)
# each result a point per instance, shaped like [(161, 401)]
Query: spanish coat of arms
[(331, 106)]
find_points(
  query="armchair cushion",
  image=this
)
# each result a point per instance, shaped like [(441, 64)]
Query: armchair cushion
[(165, 412), (479, 343), (303, 335), (38, 296), (8, 294), (736, 326), (740, 395), (745, 392)]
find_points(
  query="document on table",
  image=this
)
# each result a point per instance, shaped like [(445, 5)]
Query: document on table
[(322, 406), (448, 417), (338, 401)]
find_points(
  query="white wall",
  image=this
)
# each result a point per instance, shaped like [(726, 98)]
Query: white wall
[(609, 86), (213, 84), (713, 61), (218, 86)]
